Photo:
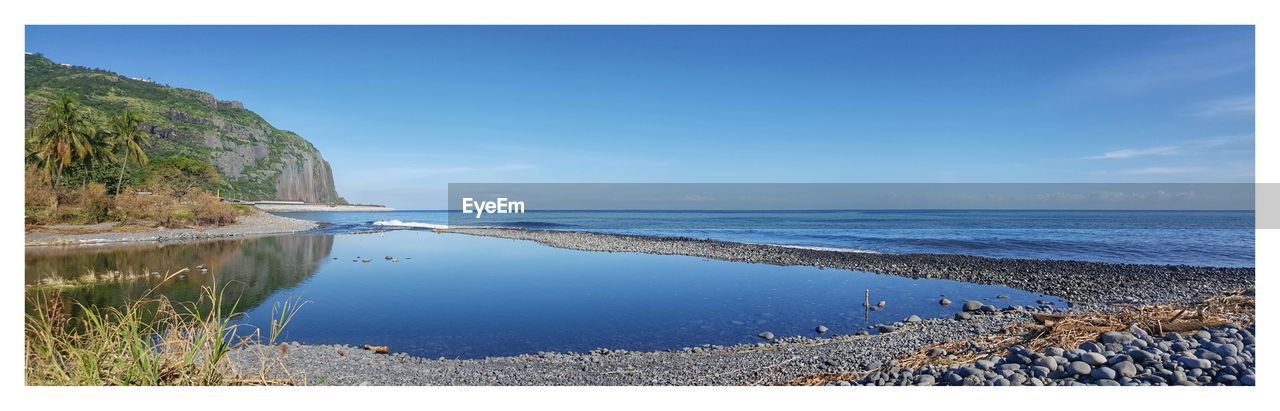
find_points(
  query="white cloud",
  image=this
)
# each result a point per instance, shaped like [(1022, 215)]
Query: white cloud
[(1136, 152), (1164, 170), (1231, 106), (1183, 148), (456, 169)]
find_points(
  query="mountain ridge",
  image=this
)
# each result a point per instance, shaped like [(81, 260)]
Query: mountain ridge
[(258, 160)]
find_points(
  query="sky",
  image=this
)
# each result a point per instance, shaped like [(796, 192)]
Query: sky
[(400, 112)]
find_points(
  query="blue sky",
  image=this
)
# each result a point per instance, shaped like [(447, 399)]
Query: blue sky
[(401, 111)]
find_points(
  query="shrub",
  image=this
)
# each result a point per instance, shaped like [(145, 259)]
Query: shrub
[(92, 204), (210, 210), (181, 215), (156, 208), (182, 176), (40, 198)]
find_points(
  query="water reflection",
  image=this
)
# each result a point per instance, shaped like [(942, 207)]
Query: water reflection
[(461, 296), (248, 269)]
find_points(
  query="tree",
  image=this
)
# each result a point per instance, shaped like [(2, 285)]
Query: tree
[(182, 175), (126, 130), (62, 135), (101, 152)]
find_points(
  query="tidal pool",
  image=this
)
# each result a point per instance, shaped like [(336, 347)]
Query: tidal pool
[(458, 296)]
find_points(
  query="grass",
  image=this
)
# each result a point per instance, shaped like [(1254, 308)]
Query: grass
[(149, 341)]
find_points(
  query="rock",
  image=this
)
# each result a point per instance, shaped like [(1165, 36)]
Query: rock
[(937, 352), (1125, 369), (1117, 337), (963, 316), (924, 380), (1194, 363), (1093, 358), (767, 336), (1080, 368), (1226, 350), (880, 304), (944, 302), (1103, 373), (1002, 297), (821, 329), (886, 328), (1047, 362), (970, 306), (913, 319)]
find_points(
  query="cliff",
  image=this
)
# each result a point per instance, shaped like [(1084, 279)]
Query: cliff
[(259, 161)]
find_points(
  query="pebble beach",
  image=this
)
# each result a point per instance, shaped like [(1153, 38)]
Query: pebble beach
[(1221, 355)]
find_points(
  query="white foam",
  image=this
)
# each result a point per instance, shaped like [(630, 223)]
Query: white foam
[(836, 249), (412, 224)]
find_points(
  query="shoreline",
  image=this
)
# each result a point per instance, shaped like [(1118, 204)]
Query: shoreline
[(777, 362), (1088, 287), (1081, 283), (259, 224), (323, 208), (993, 349)]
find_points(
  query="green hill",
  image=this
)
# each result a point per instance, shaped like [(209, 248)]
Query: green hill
[(259, 161)]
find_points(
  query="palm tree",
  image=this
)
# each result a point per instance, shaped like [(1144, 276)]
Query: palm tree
[(102, 152), (127, 133), (62, 135)]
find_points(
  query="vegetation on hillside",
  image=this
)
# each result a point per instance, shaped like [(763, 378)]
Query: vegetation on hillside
[(74, 159), (171, 122)]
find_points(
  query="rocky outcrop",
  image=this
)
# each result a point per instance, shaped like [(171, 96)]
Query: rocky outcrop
[(306, 177), (258, 160)]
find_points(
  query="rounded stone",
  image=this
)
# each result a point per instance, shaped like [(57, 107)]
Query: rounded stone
[(1118, 337), (1125, 369), (1093, 358), (1047, 362), (1194, 363), (1103, 373), (1079, 367)]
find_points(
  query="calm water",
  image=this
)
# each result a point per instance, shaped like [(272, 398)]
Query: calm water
[(1209, 238), (460, 296)]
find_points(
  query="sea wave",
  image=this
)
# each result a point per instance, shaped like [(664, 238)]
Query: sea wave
[(410, 224), (533, 224), (816, 248)]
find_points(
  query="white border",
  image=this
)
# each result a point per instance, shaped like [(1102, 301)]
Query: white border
[(17, 14)]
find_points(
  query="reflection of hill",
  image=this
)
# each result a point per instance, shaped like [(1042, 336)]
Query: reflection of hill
[(248, 269)]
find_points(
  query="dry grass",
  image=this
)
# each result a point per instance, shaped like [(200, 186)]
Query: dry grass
[(90, 277), (149, 341), (1073, 330)]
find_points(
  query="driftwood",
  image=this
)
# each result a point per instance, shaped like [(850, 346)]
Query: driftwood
[(1071, 330), (377, 349)]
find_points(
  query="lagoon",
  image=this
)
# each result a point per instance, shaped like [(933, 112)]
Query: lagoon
[(458, 296)]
